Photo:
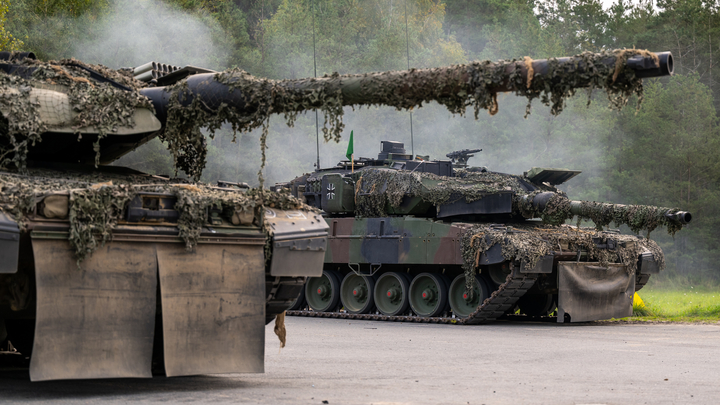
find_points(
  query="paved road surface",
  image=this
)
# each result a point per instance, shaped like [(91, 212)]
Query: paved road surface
[(361, 362)]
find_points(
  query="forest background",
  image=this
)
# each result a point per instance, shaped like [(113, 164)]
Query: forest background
[(664, 154)]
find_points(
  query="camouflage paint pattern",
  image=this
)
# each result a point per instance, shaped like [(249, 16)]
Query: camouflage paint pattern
[(393, 240)]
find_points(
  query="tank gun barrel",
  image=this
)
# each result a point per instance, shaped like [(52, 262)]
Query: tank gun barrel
[(406, 88), (558, 207), (460, 153), (581, 208)]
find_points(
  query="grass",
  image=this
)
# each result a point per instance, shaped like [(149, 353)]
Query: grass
[(691, 304)]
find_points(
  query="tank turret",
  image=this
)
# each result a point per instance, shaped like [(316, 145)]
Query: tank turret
[(429, 241)]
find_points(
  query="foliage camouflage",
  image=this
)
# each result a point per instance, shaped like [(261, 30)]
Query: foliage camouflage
[(377, 189), (98, 200), (457, 88), (527, 243), (97, 105)]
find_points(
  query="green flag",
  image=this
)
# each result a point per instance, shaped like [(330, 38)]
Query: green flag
[(350, 150)]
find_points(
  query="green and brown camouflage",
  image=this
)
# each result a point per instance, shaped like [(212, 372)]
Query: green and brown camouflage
[(467, 231)]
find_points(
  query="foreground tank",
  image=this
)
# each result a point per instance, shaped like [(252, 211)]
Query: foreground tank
[(106, 268), (428, 241), (107, 272)]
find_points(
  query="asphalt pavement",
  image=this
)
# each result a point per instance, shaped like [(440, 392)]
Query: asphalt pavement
[(363, 362)]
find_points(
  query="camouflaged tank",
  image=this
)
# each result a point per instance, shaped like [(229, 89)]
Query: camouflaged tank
[(107, 272), (437, 241), (105, 268)]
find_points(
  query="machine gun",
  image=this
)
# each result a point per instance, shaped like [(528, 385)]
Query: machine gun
[(460, 157)]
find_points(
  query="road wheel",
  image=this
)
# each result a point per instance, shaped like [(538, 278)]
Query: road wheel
[(391, 293), (323, 293), (356, 293), (428, 294), (461, 303)]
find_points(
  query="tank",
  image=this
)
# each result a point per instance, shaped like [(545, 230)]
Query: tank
[(438, 241), (108, 271)]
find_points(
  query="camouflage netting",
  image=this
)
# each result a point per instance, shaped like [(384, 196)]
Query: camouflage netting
[(378, 189), (97, 201), (527, 243), (96, 105), (456, 87), (188, 113), (556, 212), (636, 217)]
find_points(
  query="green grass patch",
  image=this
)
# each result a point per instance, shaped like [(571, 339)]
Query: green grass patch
[(692, 304)]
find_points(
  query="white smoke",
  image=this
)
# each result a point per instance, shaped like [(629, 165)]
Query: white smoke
[(132, 33)]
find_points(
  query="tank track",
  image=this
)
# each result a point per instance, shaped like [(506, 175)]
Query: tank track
[(501, 300), (281, 293)]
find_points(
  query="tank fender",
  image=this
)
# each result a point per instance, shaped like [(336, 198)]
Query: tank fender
[(543, 266), (492, 255), (300, 239), (9, 245), (647, 264)]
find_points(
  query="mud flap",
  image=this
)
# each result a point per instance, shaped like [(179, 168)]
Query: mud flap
[(590, 292), (213, 308), (95, 321)]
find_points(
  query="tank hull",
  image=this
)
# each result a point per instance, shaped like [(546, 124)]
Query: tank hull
[(581, 290), (142, 302)]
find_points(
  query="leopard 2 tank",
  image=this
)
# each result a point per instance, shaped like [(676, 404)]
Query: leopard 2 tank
[(428, 241), (108, 272)]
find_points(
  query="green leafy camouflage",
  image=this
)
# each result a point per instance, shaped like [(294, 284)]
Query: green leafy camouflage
[(98, 202), (97, 105), (456, 87), (527, 243)]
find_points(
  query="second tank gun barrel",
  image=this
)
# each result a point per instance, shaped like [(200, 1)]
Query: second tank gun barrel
[(579, 208), (637, 217)]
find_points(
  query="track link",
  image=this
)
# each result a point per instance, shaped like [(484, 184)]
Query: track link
[(501, 300)]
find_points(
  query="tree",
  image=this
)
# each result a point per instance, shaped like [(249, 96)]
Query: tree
[(7, 41), (669, 158)]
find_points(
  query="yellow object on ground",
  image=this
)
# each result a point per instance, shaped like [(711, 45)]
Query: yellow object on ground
[(637, 301)]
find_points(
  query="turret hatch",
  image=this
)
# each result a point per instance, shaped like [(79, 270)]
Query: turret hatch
[(553, 177)]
